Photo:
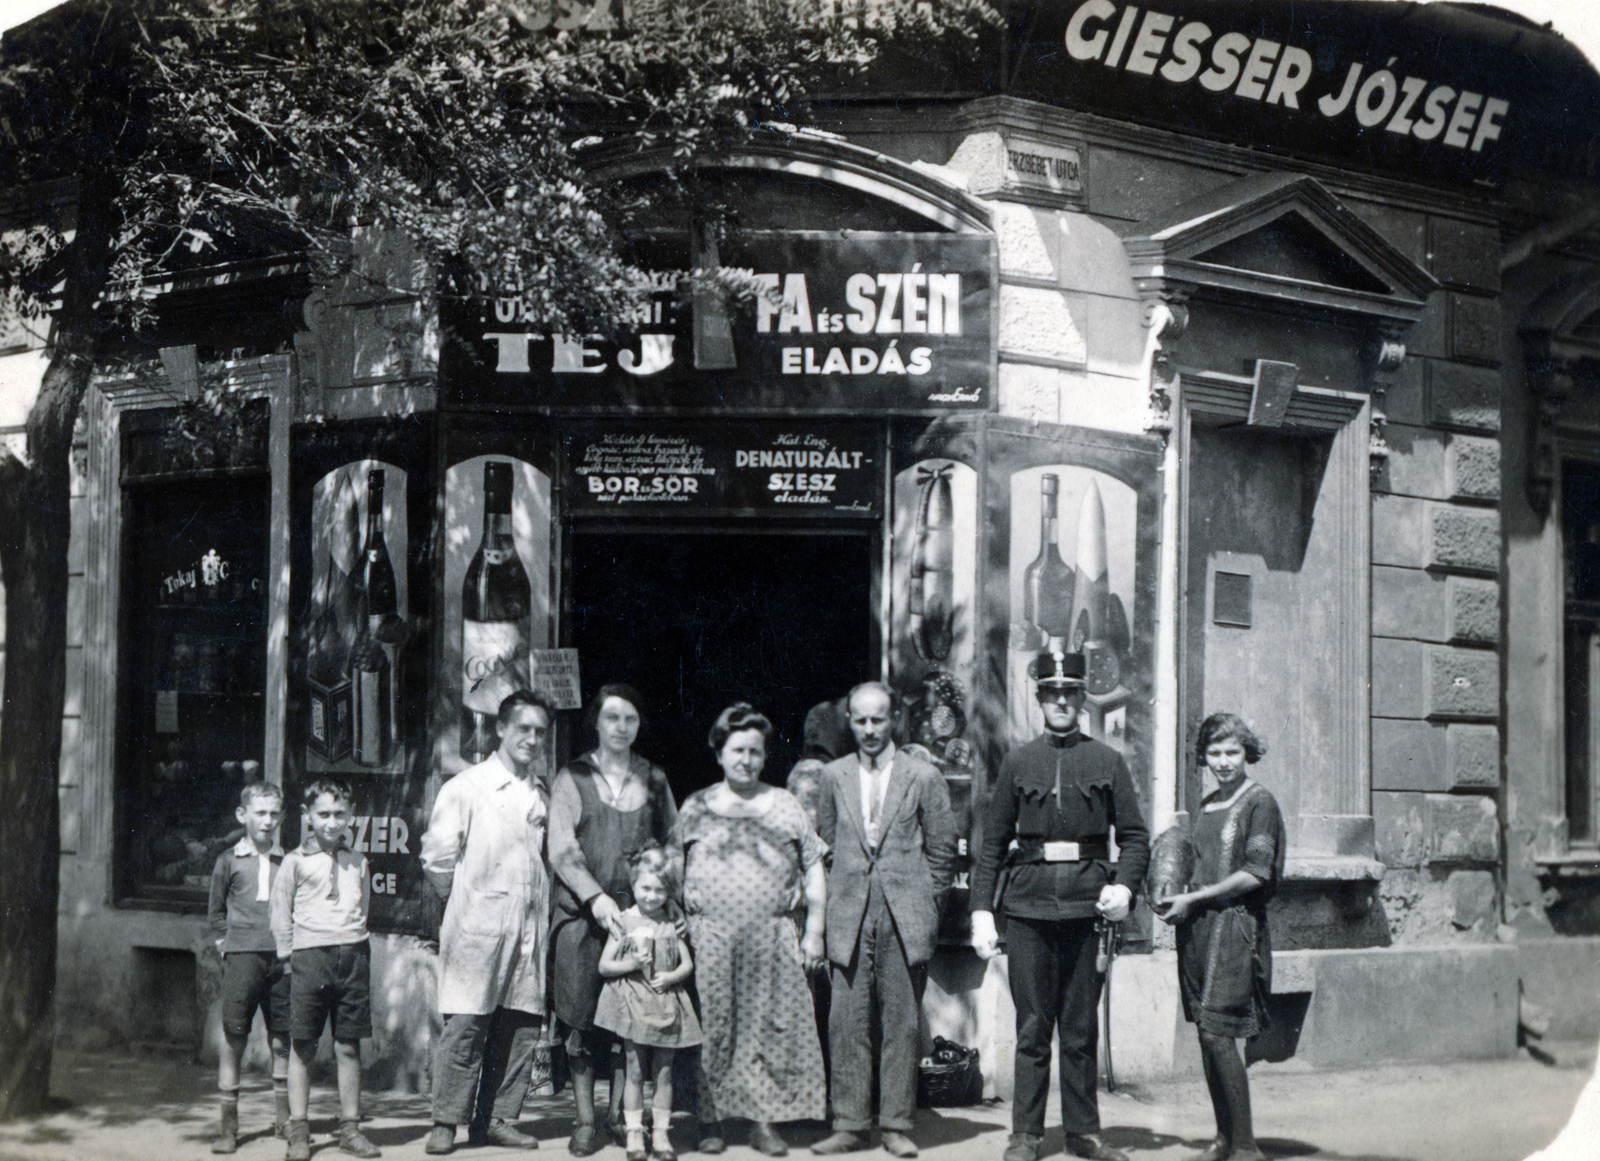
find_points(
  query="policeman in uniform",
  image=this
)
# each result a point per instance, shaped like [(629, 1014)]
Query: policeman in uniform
[(1059, 797)]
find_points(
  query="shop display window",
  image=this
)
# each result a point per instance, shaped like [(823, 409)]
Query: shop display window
[(191, 720)]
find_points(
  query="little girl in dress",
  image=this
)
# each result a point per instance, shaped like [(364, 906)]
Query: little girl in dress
[(644, 1001)]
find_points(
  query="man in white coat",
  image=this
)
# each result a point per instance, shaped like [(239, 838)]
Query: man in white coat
[(483, 853)]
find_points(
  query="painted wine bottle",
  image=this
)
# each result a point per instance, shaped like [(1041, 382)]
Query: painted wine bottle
[(496, 625)]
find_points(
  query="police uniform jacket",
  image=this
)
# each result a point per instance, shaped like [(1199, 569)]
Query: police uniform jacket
[(1096, 798)]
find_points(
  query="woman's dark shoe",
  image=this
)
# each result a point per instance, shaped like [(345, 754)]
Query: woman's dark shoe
[(764, 1139), (711, 1137), (585, 1140), (1216, 1151)]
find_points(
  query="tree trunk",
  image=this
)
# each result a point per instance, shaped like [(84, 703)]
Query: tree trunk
[(35, 526)]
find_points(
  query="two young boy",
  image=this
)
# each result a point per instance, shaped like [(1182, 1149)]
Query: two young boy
[(293, 932)]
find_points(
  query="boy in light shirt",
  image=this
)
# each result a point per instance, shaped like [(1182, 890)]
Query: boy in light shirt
[(252, 975), (319, 923)]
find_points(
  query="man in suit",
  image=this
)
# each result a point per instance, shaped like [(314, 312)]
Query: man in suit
[(886, 817)]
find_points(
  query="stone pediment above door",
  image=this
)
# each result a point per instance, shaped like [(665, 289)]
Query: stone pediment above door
[(1282, 238)]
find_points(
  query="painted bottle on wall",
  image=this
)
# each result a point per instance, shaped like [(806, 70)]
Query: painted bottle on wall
[(1047, 583), (372, 677), (496, 612)]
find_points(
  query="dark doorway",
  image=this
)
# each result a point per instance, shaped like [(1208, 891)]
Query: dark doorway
[(697, 620)]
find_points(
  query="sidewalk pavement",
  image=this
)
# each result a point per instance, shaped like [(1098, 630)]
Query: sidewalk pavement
[(153, 1108)]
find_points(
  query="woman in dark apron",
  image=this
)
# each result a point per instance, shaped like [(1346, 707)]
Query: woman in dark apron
[(604, 807)]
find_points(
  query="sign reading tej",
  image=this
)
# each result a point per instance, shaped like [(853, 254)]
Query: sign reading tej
[(877, 321), (672, 468)]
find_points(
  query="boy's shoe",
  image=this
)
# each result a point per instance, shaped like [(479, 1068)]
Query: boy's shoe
[(508, 1136), (354, 1142), (280, 1129), (299, 1141), (441, 1141), (227, 1130)]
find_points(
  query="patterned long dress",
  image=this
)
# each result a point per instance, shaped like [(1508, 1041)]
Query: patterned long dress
[(742, 891), (1224, 951)]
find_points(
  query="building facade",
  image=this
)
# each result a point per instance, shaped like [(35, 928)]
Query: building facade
[(1249, 350)]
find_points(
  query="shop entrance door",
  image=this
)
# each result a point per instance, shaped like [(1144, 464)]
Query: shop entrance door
[(699, 619)]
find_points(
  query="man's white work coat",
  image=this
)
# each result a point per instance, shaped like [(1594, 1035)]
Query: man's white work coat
[(484, 851)]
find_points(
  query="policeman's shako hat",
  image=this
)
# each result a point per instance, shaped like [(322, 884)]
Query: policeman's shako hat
[(1059, 669)]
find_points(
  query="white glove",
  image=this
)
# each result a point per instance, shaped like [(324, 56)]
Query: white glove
[(1115, 902), (985, 940)]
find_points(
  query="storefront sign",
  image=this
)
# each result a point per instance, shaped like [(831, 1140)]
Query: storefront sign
[(1417, 93), (868, 321), (680, 467)]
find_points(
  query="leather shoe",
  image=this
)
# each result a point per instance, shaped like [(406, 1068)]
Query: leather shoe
[(897, 1144), (843, 1141), (764, 1139), (711, 1138), (1215, 1151), (508, 1136), (585, 1140), (1093, 1148), (441, 1141), (1022, 1147)]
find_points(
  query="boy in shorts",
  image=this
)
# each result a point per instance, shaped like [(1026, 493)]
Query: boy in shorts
[(319, 923), (252, 976)]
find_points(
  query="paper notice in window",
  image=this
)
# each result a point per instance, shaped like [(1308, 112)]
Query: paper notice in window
[(555, 674), (166, 711)]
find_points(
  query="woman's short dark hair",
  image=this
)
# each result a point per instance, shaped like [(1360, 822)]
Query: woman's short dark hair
[(620, 689), (741, 715), (1221, 727)]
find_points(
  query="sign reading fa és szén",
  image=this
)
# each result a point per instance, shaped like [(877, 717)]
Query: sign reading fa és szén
[(871, 320)]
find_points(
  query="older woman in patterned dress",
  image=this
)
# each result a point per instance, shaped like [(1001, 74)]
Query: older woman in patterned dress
[(752, 866)]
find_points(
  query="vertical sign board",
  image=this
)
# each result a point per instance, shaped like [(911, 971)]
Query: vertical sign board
[(361, 514), (883, 322)]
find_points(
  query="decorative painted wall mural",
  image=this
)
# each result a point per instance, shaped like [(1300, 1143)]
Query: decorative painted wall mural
[(496, 595), (1072, 583), (359, 627)]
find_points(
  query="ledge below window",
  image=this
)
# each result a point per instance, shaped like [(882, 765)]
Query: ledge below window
[(1583, 861), (1331, 869)]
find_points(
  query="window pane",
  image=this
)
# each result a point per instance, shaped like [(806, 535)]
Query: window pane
[(193, 661)]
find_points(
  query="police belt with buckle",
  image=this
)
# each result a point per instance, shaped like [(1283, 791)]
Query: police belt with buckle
[(1044, 851)]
